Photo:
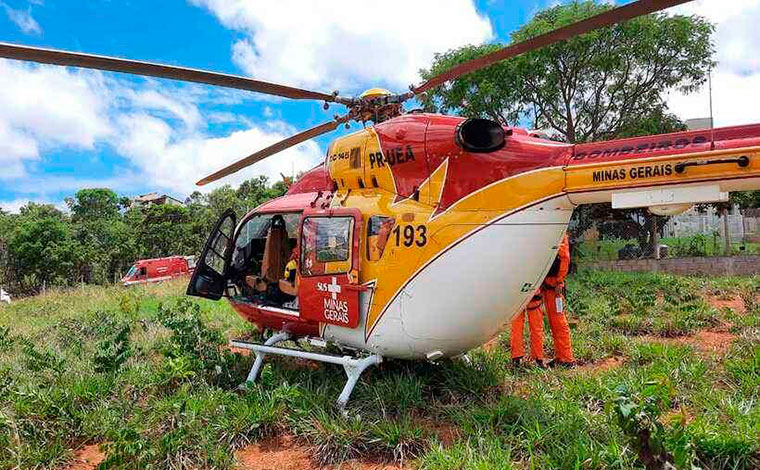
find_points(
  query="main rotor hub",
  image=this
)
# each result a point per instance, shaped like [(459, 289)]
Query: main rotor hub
[(375, 93), (378, 105)]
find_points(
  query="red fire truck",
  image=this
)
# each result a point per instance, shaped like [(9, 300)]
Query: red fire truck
[(158, 269)]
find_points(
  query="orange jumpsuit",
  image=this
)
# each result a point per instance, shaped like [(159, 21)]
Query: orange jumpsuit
[(550, 295)]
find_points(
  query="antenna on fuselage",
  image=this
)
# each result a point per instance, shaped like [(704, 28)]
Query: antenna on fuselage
[(712, 119)]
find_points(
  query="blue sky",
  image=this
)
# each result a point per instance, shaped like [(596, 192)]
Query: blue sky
[(62, 129)]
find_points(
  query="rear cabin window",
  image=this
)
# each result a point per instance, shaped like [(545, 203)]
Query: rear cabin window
[(378, 231), (326, 245)]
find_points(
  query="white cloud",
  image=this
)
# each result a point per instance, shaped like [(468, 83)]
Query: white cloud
[(737, 75), (346, 44), (176, 161), (23, 19), (47, 107), (157, 127), (14, 206)]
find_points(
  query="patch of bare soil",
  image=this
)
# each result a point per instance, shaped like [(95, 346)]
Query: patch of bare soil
[(736, 304), (286, 453), (241, 351), (446, 433), (600, 366), (710, 342), (705, 342), (87, 458), (277, 453)]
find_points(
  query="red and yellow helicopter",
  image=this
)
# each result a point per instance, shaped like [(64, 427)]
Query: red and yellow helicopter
[(422, 235)]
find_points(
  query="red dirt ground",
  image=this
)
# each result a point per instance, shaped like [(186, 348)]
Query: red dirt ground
[(736, 304), (445, 432), (710, 342), (601, 366), (86, 458), (706, 342), (285, 453)]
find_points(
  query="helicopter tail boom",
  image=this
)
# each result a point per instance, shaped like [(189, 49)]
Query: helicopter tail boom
[(681, 168)]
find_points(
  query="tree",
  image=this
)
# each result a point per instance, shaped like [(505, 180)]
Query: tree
[(105, 241), (597, 86), (607, 84), (42, 250), (162, 230), (93, 204)]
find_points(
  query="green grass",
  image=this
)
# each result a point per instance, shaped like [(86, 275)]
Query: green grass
[(142, 373), (678, 247)]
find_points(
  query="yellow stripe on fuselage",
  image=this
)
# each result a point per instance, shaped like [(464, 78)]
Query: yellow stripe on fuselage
[(657, 171)]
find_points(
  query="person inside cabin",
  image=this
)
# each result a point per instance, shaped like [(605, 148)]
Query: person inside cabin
[(283, 292)]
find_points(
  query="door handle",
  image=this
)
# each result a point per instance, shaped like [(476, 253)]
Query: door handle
[(742, 161)]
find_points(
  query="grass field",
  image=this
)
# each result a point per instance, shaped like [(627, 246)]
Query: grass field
[(139, 378)]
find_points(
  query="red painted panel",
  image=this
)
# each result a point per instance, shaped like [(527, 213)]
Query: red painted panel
[(313, 180), (402, 141), (469, 172), (288, 203), (667, 144), (330, 298), (276, 322)]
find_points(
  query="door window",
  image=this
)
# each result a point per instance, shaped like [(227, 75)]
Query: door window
[(326, 245), (216, 256), (378, 231)]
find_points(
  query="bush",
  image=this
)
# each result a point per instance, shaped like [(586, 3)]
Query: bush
[(113, 351), (200, 348), (694, 245), (639, 417)]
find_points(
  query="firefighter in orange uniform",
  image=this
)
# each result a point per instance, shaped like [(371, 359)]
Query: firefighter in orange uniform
[(550, 295)]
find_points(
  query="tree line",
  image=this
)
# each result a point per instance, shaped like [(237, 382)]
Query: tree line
[(102, 234), (611, 83)]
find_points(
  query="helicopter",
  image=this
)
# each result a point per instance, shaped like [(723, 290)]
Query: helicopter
[(421, 235)]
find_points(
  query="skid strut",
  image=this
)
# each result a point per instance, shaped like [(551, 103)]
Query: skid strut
[(353, 367)]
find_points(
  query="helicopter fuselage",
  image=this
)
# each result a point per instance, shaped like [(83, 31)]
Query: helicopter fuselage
[(447, 244)]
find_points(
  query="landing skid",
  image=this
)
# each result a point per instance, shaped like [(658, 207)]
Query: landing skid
[(353, 367)]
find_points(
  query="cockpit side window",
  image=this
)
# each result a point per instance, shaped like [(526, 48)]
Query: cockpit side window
[(326, 245), (378, 231), (131, 271)]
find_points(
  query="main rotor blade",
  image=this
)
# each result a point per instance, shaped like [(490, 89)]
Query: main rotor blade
[(608, 18), (275, 148), (114, 64)]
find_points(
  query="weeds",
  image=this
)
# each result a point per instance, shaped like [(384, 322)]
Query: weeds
[(113, 351), (194, 347), (146, 374), (639, 417)]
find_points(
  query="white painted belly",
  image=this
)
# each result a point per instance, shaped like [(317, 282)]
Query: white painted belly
[(468, 294)]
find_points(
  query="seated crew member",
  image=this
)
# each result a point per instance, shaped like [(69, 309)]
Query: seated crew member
[(283, 292)]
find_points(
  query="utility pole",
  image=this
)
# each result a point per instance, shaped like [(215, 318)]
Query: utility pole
[(725, 231), (655, 236)]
